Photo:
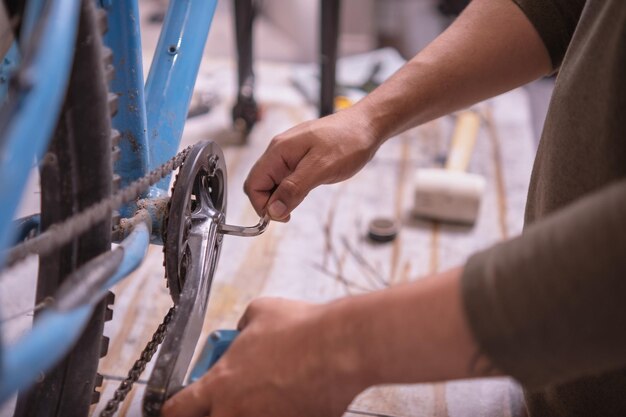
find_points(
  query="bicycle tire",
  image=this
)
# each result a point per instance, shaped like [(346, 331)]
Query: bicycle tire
[(75, 173)]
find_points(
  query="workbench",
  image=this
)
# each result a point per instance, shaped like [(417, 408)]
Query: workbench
[(323, 254)]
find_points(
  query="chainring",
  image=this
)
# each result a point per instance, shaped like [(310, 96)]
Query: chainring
[(204, 171)]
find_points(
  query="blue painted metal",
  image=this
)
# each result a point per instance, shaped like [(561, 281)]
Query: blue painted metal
[(37, 351), (46, 74), (214, 348), (173, 74), (55, 332), (124, 38), (32, 13), (169, 89), (135, 248), (8, 65)]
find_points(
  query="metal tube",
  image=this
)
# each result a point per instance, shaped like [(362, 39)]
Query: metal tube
[(124, 38), (41, 348), (135, 248), (41, 82), (32, 13), (329, 36), (245, 12), (173, 74)]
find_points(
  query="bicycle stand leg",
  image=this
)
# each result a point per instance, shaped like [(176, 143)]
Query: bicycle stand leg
[(245, 111), (328, 60)]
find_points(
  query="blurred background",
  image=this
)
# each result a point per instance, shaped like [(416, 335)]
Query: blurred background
[(290, 32)]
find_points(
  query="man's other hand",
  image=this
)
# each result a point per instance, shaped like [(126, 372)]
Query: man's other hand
[(285, 363)]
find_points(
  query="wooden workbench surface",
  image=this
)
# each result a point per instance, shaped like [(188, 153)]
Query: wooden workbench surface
[(323, 246)]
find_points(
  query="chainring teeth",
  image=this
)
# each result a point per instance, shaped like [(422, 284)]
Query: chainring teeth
[(205, 159)]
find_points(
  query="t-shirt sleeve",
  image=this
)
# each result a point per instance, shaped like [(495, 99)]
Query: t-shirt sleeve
[(555, 20), (550, 306)]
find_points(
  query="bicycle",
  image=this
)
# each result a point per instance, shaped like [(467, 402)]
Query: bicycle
[(106, 146)]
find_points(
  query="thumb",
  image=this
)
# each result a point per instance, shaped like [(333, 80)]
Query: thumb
[(289, 194)]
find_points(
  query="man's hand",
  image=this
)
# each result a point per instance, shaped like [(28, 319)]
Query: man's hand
[(491, 48), (322, 151), (294, 359), (281, 365)]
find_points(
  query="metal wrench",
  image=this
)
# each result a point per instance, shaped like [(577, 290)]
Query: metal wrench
[(228, 229)]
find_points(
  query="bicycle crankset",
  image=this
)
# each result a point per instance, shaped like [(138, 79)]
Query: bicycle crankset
[(198, 198), (192, 240)]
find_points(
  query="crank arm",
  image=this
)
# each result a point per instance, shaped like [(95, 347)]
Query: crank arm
[(202, 252), (194, 232), (227, 229)]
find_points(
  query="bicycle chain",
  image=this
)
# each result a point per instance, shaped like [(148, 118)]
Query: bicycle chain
[(63, 232), (138, 367)]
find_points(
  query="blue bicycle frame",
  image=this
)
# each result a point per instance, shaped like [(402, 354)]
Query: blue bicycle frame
[(150, 120)]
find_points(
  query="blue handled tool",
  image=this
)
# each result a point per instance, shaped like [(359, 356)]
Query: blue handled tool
[(215, 346)]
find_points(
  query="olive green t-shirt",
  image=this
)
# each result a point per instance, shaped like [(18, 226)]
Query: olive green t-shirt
[(549, 307)]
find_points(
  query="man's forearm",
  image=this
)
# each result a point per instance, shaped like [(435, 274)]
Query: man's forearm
[(491, 48), (418, 332), (411, 333)]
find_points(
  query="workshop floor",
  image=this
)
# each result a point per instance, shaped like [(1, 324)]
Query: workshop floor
[(322, 253)]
